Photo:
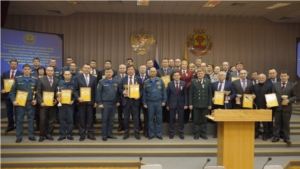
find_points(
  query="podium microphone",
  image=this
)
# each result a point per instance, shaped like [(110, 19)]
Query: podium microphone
[(252, 102), (269, 159), (207, 161)]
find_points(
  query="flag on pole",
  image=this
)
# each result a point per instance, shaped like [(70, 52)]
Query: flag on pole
[(186, 55), (156, 59)]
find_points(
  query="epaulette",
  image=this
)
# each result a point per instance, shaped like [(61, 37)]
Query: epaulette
[(18, 76), (34, 77), (101, 80), (146, 80)]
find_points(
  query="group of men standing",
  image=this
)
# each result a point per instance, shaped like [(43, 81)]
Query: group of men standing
[(186, 91)]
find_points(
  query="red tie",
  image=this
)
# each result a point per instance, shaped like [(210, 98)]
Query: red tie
[(283, 86), (12, 74), (177, 87), (130, 82)]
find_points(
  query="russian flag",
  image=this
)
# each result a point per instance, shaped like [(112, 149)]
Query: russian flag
[(156, 59)]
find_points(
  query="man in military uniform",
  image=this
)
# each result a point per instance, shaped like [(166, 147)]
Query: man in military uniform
[(154, 97), (107, 97), (56, 69), (25, 83), (68, 67), (200, 100), (66, 110), (74, 71), (36, 65)]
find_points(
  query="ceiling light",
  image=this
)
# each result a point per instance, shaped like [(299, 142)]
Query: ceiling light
[(211, 3), (143, 2), (278, 5), (73, 2)]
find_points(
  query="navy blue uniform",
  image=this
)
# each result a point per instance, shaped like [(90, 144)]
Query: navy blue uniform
[(56, 72), (108, 96), (154, 94), (24, 84), (66, 111)]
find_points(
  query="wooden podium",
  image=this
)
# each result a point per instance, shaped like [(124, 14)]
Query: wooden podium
[(236, 136)]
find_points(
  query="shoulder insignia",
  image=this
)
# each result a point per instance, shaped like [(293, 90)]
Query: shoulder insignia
[(204, 80), (60, 72), (97, 86), (33, 77), (101, 79), (18, 76), (146, 80)]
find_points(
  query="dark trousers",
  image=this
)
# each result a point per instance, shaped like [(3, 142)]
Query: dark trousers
[(108, 116), (180, 112), (135, 110), (165, 114), (199, 114), (66, 120), (75, 114), (282, 120), (20, 111), (47, 120), (120, 116), (265, 127), (186, 115), (146, 118), (10, 113), (86, 119)]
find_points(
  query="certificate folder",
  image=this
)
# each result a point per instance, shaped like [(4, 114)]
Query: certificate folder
[(247, 101), (48, 98), (134, 91), (8, 83), (271, 100), (66, 96), (85, 93), (166, 80), (219, 98), (21, 97)]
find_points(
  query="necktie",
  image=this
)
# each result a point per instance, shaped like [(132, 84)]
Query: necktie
[(220, 86), (50, 81), (254, 82), (87, 80), (165, 70), (273, 81), (177, 87), (183, 72), (94, 71), (12, 74), (142, 78), (283, 87), (130, 81), (244, 85)]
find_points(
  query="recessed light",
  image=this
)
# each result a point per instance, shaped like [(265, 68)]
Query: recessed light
[(211, 3), (278, 5)]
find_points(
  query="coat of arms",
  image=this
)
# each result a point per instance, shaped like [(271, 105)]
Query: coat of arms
[(199, 43), (141, 42)]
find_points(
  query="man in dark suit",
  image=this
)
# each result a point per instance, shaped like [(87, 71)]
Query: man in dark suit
[(225, 68), (165, 71), (95, 73), (85, 108), (171, 64), (129, 61), (260, 90), (118, 78), (47, 83), (239, 66), (242, 86), (283, 112), (271, 81), (107, 65), (200, 101), (177, 101), (149, 65), (144, 77), (130, 104), (223, 85), (186, 76), (10, 74)]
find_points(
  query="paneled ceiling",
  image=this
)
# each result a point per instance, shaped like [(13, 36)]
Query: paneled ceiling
[(290, 13)]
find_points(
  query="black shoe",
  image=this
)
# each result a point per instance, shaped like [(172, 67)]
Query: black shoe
[(37, 128), (196, 137), (18, 140), (270, 135), (265, 138), (76, 126), (149, 138), (10, 129), (256, 136), (159, 137), (61, 138), (181, 137), (104, 139), (137, 137), (204, 137), (112, 137), (215, 136), (70, 138), (31, 138), (141, 128), (57, 121), (41, 139), (275, 139), (126, 136), (49, 137), (81, 138), (121, 128), (171, 136), (91, 137), (146, 134), (288, 141)]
